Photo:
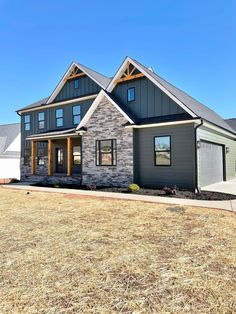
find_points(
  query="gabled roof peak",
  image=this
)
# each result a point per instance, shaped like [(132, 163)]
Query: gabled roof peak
[(98, 78)]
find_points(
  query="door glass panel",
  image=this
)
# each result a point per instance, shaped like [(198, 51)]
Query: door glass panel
[(60, 156)]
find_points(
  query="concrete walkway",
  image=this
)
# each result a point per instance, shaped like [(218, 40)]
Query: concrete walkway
[(223, 187), (226, 205)]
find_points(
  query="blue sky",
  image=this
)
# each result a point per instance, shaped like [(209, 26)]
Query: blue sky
[(190, 43)]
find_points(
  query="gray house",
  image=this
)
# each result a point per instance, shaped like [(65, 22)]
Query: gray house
[(134, 127)]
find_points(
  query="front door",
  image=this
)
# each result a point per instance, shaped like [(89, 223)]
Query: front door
[(60, 160)]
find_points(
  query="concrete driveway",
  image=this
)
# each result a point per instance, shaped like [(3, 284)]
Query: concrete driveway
[(224, 187)]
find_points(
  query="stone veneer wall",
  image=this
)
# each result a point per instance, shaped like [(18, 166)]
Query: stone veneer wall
[(25, 169), (107, 123), (41, 170)]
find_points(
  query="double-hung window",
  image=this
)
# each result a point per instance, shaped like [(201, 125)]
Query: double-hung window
[(27, 122), (59, 117), (106, 153), (76, 114), (162, 147), (41, 120)]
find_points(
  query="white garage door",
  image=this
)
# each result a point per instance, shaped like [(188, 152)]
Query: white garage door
[(211, 163)]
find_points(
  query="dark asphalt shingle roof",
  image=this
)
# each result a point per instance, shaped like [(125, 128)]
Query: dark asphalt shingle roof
[(100, 78), (192, 104), (195, 106), (38, 103), (53, 132), (231, 122), (8, 134)]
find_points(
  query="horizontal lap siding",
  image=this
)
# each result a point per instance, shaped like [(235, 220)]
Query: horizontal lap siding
[(206, 134), (182, 170)]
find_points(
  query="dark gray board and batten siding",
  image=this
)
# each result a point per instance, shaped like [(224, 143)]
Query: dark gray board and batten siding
[(86, 87), (50, 120), (182, 169), (149, 101)]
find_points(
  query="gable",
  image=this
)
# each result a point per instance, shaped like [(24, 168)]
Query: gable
[(78, 71), (8, 134), (150, 101), (103, 97), (86, 87), (144, 72), (15, 145)]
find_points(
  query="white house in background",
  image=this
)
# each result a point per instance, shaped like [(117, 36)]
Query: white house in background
[(10, 143)]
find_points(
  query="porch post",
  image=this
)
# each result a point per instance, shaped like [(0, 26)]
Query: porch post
[(50, 157), (69, 156), (33, 149)]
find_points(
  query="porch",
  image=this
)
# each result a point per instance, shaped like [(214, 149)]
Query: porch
[(56, 156)]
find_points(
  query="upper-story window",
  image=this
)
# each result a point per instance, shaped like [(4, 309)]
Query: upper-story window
[(76, 83), (76, 114), (131, 94), (27, 122), (162, 147), (59, 117), (41, 120)]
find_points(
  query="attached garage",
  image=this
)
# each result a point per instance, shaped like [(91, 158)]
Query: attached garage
[(211, 163)]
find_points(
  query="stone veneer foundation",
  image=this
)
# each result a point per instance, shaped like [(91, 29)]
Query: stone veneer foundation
[(107, 123), (41, 170)]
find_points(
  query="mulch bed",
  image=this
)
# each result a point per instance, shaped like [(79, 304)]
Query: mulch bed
[(204, 195)]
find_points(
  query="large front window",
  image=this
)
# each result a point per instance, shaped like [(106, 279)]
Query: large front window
[(106, 153), (59, 117), (162, 150)]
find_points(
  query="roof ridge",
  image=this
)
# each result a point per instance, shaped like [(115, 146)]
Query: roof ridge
[(91, 69)]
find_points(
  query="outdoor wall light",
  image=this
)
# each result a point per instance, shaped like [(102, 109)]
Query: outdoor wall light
[(198, 144), (227, 150)]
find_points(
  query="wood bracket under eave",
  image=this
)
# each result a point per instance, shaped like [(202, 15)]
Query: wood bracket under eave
[(130, 77), (74, 76)]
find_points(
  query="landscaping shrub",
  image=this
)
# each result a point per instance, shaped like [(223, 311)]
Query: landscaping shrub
[(92, 187), (57, 185), (133, 187), (170, 190), (14, 180)]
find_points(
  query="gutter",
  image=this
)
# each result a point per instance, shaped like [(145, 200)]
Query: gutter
[(197, 188)]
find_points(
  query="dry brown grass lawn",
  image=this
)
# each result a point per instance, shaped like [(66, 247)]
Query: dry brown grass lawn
[(61, 254)]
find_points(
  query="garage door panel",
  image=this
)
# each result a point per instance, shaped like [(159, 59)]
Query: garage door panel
[(210, 163)]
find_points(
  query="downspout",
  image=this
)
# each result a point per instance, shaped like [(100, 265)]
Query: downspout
[(197, 188)]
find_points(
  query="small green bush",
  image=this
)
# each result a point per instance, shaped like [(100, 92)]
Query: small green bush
[(133, 187), (14, 180), (57, 185)]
